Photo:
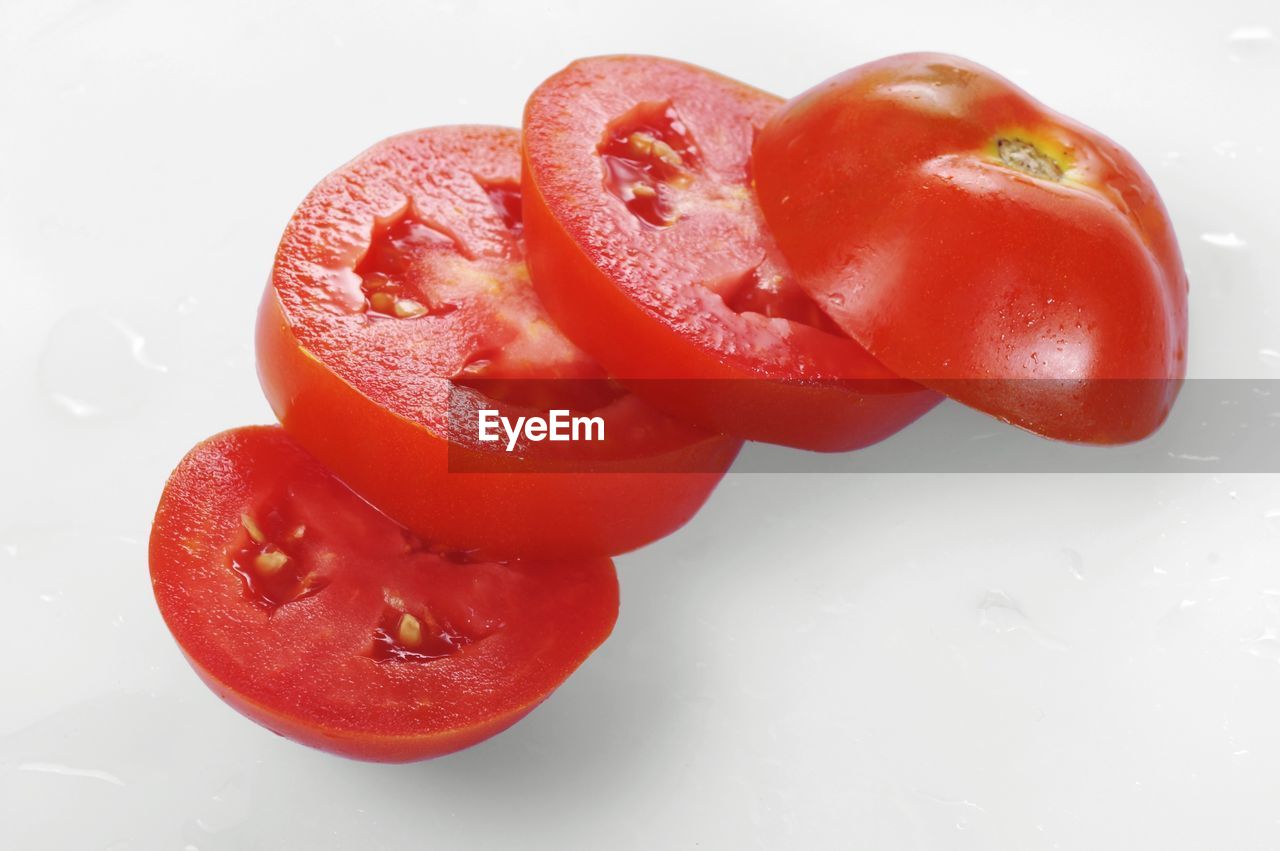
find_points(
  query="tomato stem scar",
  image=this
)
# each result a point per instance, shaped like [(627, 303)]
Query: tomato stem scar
[(1027, 158)]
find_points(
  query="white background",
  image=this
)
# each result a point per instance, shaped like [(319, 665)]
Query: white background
[(882, 662)]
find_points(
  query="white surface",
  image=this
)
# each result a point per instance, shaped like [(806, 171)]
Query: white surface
[(888, 662)]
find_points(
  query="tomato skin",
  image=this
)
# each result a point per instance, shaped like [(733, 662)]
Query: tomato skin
[(367, 747), (395, 448), (300, 671), (404, 469), (1056, 305), (673, 343)]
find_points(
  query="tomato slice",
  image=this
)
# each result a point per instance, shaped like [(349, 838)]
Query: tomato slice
[(320, 618), (981, 244), (400, 307), (647, 247)]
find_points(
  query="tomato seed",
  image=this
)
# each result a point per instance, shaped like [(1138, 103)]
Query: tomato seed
[(251, 526), (383, 302), (407, 308), (409, 630), (269, 561)]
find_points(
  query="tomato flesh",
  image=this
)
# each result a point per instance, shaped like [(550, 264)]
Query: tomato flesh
[(400, 305), (979, 243), (327, 622), (648, 157), (647, 247)]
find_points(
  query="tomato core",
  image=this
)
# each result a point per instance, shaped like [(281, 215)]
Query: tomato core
[(652, 163), (648, 156), (769, 291), (387, 279), (506, 200), (273, 556), (405, 637)]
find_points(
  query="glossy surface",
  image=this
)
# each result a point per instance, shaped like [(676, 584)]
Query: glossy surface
[(1116, 691), (400, 305), (981, 244), (324, 621), (647, 248)]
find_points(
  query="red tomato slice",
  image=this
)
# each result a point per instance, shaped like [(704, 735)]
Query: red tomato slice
[(399, 306), (981, 244), (323, 620), (646, 246)]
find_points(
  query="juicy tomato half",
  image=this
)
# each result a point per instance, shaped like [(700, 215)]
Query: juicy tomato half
[(979, 243), (400, 309), (647, 247), (323, 620)]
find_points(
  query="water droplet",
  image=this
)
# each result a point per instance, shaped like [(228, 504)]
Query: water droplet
[(1224, 240), (1272, 516), (1225, 148), (1265, 643), (1075, 563), (998, 612), (963, 813), (1251, 34), (227, 809), (1249, 43), (1270, 357), (1200, 459), (70, 771), (95, 363)]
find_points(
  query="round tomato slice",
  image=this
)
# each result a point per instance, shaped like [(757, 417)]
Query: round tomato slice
[(400, 309), (323, 620), (647, 247), (981, 244)]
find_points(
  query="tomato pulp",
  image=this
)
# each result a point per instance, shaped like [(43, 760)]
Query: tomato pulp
[(399, 298), (979, 243), (325, 621), (647, 247)]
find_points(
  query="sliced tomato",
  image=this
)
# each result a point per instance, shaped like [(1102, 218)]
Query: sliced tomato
[(399, 307), (647, 247), (982, 244), (325, 621)]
